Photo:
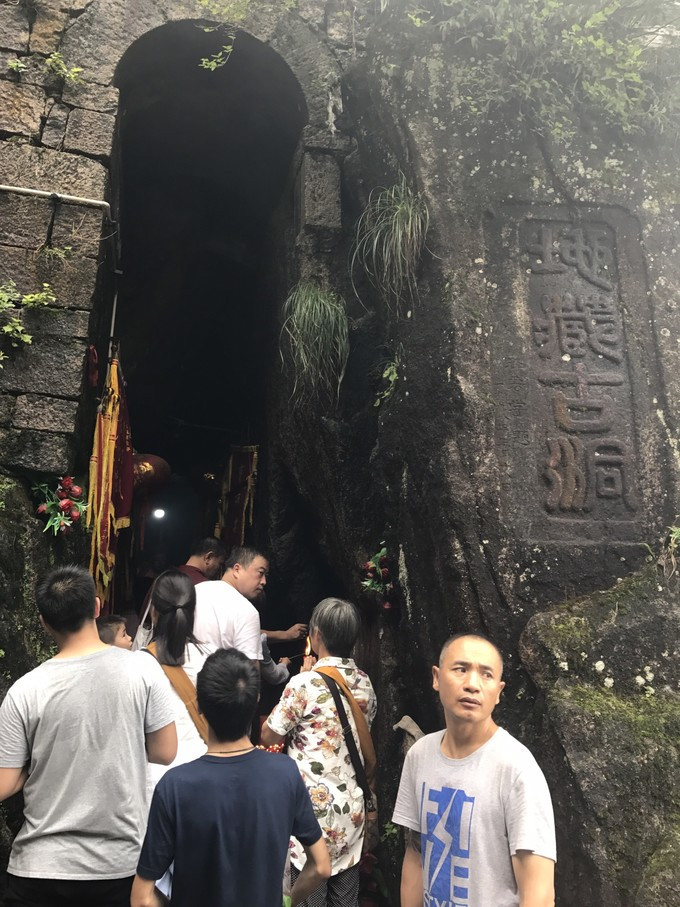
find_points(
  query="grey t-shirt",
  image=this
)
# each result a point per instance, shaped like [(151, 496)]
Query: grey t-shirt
[(473, 814), (80, 724)]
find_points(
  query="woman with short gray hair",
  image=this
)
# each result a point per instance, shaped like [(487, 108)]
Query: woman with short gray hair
[(307, 718)]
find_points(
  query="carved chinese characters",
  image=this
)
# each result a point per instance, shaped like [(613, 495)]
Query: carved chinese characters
[(564, 405)]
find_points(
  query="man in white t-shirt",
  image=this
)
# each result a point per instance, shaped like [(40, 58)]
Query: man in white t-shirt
[(479, 820), (225, 617), (75, 735)]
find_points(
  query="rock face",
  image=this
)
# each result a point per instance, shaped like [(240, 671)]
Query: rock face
[(525, 453)]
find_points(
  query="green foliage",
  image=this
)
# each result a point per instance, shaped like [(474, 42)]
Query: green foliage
[(55, 65), (389, 240), (55, 255), (237, 10), (215, 61), (314, 342), (11, 301), (17, 65), (554, 63), (390, 375), (668, 559)]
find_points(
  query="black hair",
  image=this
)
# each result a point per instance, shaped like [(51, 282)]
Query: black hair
[(338, 623), (173, 595), (66, 598), (107, 627), (208, 545), (228, 690), (481, 636), (243, 556)]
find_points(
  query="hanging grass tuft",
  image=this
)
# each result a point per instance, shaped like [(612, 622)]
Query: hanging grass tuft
[(314, 342), (389, 240)]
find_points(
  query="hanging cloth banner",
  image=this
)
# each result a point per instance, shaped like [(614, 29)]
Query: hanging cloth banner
[(238, 496), (111, 482)]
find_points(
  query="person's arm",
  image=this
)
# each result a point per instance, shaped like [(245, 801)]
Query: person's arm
[(535, 877), (161, 745), (412, 872), (270, 737), (12, 781), (313, 873), (297, 631), (144, 893)]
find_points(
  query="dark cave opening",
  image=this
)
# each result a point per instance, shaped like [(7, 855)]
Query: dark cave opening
[(203, 166)]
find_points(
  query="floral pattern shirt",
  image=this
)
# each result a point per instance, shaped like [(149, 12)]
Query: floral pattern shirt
[(307, 715)]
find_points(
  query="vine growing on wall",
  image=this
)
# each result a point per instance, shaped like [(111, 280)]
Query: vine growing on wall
[(12, 301), (236, 10), (554, 63)]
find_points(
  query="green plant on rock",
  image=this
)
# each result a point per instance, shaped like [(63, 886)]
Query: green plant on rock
[(219, 59), (390, 376), (389, 240), (55, 65), (561, 66), (11, 302), (16, 65), (314, 342), (55, 255), (237, 10), (668, 559)]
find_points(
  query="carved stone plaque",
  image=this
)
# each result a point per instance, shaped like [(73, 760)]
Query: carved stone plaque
[(565, 427)]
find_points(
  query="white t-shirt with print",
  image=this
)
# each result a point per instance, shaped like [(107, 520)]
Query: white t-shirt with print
[(473, 815)]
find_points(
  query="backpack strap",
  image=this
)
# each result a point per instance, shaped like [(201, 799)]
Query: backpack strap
[(186, 691), (364, 770)]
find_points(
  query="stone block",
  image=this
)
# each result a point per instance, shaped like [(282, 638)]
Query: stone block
[(48, 366), (321, 194), (55, 128), (48, 28), (72, 281), (99, 37), (24, 221), (44, 413), (91, 96), (37, 451), (33, 74), (7, 404), (90, 132), (21, 107), (80, 228), (50, 322), (13, 28), (51, 171)]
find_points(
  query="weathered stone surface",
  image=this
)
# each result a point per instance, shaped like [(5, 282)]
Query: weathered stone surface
[(609, 666), (322, 191), (54, 129), (80, 228), (36, 451), (90, 132), (50, 22), (52, 322), (24, 554), (91, 96), (73, 281), (13, 27), (21, 107), (51, 171), (33, 74), (24, 221), (48, 366), (104, 32), (45, 414), (6, 408)]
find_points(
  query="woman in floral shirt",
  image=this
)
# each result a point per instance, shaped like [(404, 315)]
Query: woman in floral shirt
[(306, 716)]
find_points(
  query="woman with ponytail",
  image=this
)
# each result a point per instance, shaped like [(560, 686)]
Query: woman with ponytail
[(173, 602)]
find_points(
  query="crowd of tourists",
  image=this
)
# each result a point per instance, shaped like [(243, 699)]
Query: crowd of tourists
[(148, 780)]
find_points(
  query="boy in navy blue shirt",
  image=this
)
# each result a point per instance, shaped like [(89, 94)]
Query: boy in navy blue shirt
[(226, 818)]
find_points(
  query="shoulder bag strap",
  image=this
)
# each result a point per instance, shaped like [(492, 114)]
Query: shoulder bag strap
[(358, 765), (186, 691)]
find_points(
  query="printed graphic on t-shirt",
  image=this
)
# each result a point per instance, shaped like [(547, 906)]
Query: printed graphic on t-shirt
[(446, 830)]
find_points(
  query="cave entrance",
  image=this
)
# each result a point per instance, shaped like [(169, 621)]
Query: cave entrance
[(202, 170)]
